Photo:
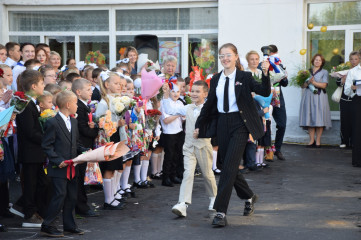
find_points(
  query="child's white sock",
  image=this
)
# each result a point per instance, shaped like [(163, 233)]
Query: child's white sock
[(214, 166), (125, 177), (261, 155), (154, 163), (144, 170), (108, 197), (136, 169)]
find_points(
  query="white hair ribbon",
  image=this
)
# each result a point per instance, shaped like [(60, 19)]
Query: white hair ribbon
[(104, 75), (36, 68), (93, 65), (124, 60), (80, 65), (64, 68), (120, 74)]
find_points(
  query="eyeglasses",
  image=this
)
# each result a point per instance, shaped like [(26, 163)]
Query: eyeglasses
[(51, 76), (223, 56)]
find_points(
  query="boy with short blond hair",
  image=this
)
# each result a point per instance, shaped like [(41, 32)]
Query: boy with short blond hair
[(60, 143), (45, 101)]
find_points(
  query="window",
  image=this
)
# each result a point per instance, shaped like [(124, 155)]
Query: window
[(203, 52), (94, 49), (64, 45), (25, 39), (357, 41), (59, 21), (122, 43), (167, 19), (336, 13)]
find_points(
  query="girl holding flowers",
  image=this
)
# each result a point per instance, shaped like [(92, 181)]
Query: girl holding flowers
[(110, 86)]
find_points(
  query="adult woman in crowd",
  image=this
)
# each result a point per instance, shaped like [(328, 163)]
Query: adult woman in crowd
[(132, 54), (353, 78), (346, 112), (170, 66), (314, 110), (253, 62), (70, 63), (41, 55), (55, 61), (230, 103)]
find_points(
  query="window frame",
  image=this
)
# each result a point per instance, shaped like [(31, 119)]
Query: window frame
[(111, 32)]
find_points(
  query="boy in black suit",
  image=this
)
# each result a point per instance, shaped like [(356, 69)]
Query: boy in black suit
[(87, 134), (60, 143), (31, 154)]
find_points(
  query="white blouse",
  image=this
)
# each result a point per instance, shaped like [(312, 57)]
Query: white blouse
[(353, 74)]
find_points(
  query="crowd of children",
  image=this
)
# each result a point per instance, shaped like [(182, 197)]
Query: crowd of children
[(37, 151)]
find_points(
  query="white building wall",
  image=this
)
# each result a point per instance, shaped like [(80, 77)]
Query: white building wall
[(251, 24)]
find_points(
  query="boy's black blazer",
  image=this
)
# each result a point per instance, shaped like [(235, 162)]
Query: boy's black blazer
[(87, 135), (30, 135), (59, 144), (244, 85), (96, 95)]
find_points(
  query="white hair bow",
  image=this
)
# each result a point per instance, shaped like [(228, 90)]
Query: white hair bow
[(124, 60), (64, 68), (80, 65), (36, 68), (93, 65), (104, 75), (124, 76)]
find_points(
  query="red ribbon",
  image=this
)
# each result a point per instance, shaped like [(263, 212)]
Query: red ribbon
[(90, 116), (70, 168), (171, 81), (10, 125)]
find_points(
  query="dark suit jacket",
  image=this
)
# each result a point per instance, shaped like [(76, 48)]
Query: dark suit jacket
[(96, 95), (87, 135), (30, 135), (244, 85), (59, 144)]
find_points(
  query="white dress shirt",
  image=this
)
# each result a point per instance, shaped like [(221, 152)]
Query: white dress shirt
[(17, 70), (180, 109), (353, 74), (175, 126), (231, 92), (66, 121)]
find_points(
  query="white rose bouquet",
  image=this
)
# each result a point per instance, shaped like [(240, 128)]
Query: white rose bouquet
[(119, 105)]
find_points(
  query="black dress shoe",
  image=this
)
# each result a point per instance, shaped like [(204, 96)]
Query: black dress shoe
[(120, 206), (89, 213), (167, 182), (249, 207), (279, 155), (176, 180), (318, 146), (311, 145), (74, 231), (51, 231), (219, 220), (150, 184), (3, 228), (140, 184)]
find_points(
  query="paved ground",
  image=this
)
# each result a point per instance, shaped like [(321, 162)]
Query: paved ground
[(315, 194)]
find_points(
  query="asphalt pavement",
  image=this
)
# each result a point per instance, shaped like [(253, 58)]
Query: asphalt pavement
[(314, 194)]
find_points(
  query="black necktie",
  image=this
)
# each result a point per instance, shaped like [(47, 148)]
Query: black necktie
[(225, 99)]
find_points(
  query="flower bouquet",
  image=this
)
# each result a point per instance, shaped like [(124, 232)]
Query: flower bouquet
[(276, 96), (188, 99), (20, 100), (110, 151), (108, 127), (95, 57), (340, 70), (120, 105), (300, 79), (150, 65), (152, 118), (45, 115)]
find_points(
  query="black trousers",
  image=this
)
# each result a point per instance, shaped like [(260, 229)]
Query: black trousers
[(173, 154), (232, 136), (280, 117), (346, 116), (356, 128), (64, 198), (37, 191), (4, 197), (82, 202)]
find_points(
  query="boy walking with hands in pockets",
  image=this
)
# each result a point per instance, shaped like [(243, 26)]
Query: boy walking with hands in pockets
[(60, 143), (194, 150)]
